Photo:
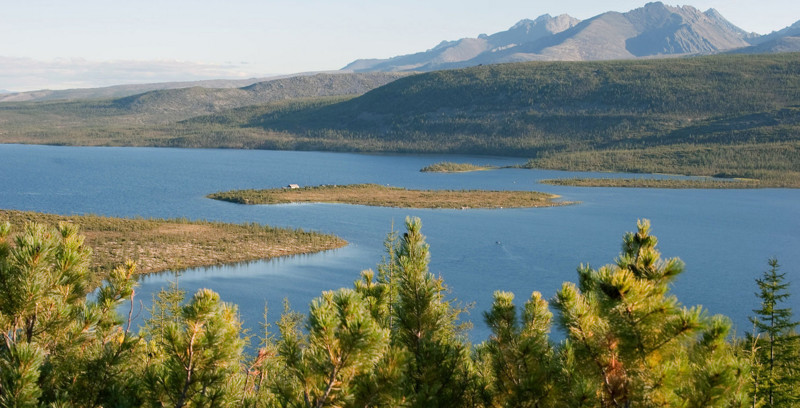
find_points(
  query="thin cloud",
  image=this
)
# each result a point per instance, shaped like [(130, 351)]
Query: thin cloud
[(26, 74)]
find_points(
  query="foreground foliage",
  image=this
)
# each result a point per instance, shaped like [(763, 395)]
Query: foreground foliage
[(58, 347), (774, 344), (393, 340)]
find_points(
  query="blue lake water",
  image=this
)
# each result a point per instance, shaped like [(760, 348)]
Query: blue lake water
[(724, 236)]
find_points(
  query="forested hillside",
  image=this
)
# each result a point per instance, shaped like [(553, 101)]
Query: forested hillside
[(732, 115), (720, 115), (165, 106), (593, 104)]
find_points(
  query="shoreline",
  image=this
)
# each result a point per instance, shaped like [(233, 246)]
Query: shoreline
[(159, 245), (683, 184)]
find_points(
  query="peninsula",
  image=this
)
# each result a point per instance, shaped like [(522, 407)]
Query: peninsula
[(385, 196), (642, 182), (161, 245)]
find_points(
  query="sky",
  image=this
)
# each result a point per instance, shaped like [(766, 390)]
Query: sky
[(57, 44)]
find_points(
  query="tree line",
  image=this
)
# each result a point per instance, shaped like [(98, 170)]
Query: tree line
[(393, 339)]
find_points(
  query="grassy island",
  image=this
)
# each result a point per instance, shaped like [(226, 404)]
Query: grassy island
[(450, 167), (384, 196), (655, 183), (160, 245)]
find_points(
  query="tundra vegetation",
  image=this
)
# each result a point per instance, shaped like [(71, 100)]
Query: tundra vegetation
[(392, 339), (385, 196), (721, 115), (649, 182), (450, 167), (160, 245)]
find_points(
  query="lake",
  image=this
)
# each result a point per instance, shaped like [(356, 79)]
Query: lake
[(724, 236)]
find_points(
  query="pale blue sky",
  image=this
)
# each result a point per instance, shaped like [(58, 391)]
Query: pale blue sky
[(62, 44)]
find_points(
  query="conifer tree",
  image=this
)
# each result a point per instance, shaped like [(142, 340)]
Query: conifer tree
[(165, 309), (20, 368), (376, 295), (59, 348), (103, 371), (383, 385), (198, 358), (639, 345), (387, 275), (776, 374), (438, 372), (343, 342), (520, 352), (262, 370), (715, 375), (287, 384)]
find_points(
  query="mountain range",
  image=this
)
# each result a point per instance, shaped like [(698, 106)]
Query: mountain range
[(655, 30), (118, 91), (652, 31), (212, 95)]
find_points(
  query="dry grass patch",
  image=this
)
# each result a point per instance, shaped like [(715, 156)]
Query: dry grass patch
[(384, 196), (159, 245)]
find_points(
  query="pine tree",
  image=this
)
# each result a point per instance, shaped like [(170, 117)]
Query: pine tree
[(776, 375), (343, 342), (639, 345), (59, 348), (20, 368), (438, 372), (383, 385), (262, 370), (103, 372), (520, 353), (198, 358), (387, 275), (165, 309)]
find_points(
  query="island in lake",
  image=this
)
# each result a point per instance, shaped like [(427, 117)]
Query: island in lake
[(385, 196), (450, 167)]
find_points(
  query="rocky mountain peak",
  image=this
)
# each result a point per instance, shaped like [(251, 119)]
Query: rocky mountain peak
[(655, 29)]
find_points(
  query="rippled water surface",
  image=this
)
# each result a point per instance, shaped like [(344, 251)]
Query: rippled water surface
[(724, 236)]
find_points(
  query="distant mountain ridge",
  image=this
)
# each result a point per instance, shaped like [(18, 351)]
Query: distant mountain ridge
[(163, 107), (653, 30), (214, 95), (119, 91), (785, 40), (183, 103), (452, 53)]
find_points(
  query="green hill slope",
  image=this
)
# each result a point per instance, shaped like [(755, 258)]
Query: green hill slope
[(165, 106), (529, 108), (717, 115), (735, 115)]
